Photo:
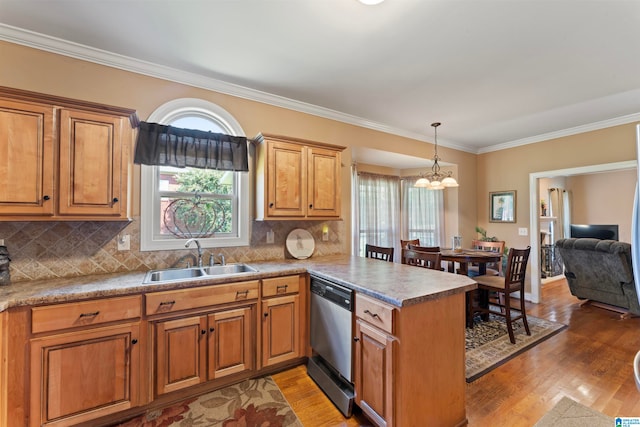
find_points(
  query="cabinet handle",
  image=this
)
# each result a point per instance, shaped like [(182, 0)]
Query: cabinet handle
[(115, 200), (242, 294), (204, 331), (280, 289), (94, 314), (212, 329), (167, 303), (134, 341), (46, 198), (374, 315)]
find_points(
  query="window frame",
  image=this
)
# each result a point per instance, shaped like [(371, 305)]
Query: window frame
[(150, 196)]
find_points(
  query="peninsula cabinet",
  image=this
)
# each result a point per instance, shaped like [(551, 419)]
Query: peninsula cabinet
[(63, 159), (83, 365), (297, 179), (210, 341), (409, 361)]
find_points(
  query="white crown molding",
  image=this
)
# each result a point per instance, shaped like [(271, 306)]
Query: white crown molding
[(616, 121), (74, 50)]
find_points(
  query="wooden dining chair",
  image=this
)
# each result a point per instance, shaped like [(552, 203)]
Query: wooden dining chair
[(493, 268), (430, 260), (426, 249), (378, 252), (404, 244), (513, 281)]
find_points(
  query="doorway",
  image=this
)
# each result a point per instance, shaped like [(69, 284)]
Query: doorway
[(534, 214)]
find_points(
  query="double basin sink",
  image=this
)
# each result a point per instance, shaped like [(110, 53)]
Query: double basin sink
[(192, 273)]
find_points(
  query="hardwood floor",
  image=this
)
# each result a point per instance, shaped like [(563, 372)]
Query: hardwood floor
[(591, 362)]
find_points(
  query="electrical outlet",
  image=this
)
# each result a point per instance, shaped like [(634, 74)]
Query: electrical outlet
[(270, 237), (124, 242), (523, 231)]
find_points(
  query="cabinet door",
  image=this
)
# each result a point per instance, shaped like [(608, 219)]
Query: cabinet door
[(26, 159), (280, 329), (80, 376), (91, 164), (230, 342), (180, 353), (374, 373), (324, 185), (286, 180)]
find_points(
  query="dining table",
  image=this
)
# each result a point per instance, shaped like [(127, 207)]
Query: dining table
[(464, 257)]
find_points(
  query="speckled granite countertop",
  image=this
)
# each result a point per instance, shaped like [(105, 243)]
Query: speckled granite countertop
[(393, 283)]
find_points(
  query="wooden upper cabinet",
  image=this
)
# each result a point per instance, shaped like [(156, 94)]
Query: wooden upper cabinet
[(91, 151), (26, 158), (63, 159), (297, 179)]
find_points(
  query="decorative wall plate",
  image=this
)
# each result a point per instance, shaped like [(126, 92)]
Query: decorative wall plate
[(300, 243)]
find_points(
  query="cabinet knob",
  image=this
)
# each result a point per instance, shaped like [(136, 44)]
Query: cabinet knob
[(46, 198), (266, 315), (134, 341), (356, 339), (270, 205), (204, 331), (310, 206), (212, 329), (115, 200)]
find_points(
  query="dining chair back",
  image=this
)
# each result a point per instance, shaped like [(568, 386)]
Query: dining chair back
[(430, 260), (513, 281), (424, 248), (493, 268), (379, 252), (404, 244)]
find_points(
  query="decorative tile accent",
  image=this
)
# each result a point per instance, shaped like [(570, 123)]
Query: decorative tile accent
[(48, 250)]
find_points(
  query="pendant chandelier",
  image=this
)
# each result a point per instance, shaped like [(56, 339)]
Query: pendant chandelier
[(436, 180)]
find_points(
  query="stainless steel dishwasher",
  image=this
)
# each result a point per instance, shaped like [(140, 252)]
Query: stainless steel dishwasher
[(331, 365)]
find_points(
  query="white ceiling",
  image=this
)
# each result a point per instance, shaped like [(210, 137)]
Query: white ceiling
[(495, 73)]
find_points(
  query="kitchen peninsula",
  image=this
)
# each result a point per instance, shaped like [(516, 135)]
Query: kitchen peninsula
[(409, 356)]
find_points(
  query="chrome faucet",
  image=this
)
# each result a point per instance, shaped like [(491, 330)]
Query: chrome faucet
[(186, 245), (222, 261)]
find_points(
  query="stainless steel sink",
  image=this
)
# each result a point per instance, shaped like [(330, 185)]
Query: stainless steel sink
[(218, 270), (185, 274)]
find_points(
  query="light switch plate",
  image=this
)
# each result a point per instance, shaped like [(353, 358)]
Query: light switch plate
[(523, 231), (270, 237)]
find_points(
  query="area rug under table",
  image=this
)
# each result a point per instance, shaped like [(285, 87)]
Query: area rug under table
[(488, 345), (252, 403), (569, 413)]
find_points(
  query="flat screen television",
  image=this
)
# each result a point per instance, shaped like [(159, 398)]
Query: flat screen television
[(595, 231)]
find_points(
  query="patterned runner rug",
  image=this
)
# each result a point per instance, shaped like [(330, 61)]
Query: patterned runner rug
[(252, 403), (488, 344), (569, 413)]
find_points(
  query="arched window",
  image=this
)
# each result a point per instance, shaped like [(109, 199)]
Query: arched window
[(227, 193)]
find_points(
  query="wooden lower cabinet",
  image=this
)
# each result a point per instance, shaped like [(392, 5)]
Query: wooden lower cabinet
[(374, 373), (280, 329), (192, 350), (80, 376)]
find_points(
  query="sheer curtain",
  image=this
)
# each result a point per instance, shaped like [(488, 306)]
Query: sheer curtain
[(422, 214), (377, 212)]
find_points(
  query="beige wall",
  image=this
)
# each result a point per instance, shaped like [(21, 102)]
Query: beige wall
[(509, 169)]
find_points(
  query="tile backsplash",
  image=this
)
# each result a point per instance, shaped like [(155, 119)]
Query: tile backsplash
[(43, 250)]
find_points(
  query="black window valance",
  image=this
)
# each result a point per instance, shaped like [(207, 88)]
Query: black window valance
[(170, 146)]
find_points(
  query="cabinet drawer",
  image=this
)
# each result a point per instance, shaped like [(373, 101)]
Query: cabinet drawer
[(280, 286), (185, 299), (85, 313), (375, 312)]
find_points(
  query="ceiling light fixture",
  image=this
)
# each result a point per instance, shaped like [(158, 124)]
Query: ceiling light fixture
[(436, 180), (370, 2)]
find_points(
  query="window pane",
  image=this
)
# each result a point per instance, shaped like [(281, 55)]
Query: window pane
[(191, 180), (195, 217)]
